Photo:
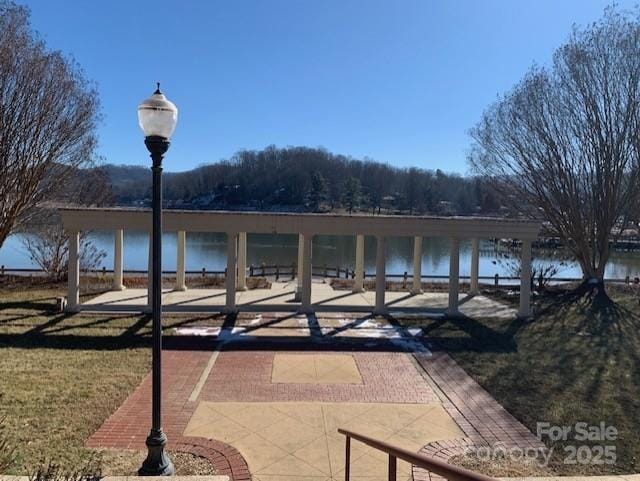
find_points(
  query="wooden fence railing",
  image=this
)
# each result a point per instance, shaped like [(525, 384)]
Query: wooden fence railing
[(288, 272)]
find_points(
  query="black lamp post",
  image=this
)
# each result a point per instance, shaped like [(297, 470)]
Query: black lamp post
[(157, 117)]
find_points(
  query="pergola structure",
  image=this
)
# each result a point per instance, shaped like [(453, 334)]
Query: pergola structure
[(236, 225)]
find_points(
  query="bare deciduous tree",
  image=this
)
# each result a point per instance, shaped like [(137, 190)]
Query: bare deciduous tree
[(48, 248), (45, 240), (545, 265), (47, 120), (565, 141)]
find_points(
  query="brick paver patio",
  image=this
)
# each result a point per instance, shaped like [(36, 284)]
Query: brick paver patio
[(388, 377), (371, 374)]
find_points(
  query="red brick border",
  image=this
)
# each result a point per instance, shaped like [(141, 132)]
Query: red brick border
[(226, 459), (245, 376), (443, 450), (483, 420), (128, 427)]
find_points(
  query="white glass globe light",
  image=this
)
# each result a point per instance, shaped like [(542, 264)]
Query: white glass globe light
[(157, 116)]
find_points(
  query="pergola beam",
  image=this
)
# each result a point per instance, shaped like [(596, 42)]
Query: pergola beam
[(105, 218), (306, 226)]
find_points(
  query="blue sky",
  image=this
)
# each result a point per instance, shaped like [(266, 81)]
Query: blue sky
[(397, 81)]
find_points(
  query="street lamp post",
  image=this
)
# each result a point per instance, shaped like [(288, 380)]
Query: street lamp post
[(157, 117)]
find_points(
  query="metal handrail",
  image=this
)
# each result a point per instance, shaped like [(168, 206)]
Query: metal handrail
[(441, 468)]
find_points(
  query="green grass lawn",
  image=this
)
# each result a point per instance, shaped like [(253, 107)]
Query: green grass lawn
[(577, 361), (63, 375)]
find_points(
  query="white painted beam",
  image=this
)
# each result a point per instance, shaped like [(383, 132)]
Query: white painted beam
[(79, 219)]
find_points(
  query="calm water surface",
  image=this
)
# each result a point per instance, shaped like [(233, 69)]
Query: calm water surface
[(208, 250)]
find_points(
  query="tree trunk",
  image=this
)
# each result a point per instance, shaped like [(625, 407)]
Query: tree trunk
[(592, 278)]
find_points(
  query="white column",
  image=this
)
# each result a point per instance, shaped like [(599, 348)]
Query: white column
[(117, 260), (381, 277), (417, 266), (358, 285), (242, 261), (475, 259), (454, 276), (305, 303), (149, 273), (181, 284), (525, 280), (230, 281), (300, 267), (73, 273)]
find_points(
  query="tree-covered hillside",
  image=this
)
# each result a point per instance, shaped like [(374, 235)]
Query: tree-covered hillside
[(310, 179)]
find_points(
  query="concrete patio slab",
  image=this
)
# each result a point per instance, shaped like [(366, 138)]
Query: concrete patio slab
[(279, 439), (281, 297)]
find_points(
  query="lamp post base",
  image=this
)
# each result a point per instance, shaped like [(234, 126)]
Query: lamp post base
[(157, 462)]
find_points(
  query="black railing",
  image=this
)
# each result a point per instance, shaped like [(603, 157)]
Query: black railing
[(433, 465)]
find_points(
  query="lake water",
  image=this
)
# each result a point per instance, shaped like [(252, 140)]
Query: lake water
[(208, 250)]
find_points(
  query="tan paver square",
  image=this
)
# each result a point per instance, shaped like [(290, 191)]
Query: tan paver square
[(299, 440), (309, 414), (263, 452), (313, 454), (315, 369), (292, 464), (289, 434), (254, 416), (226, 430)]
